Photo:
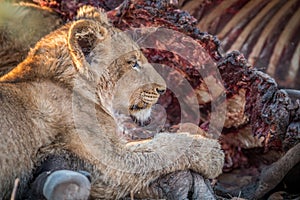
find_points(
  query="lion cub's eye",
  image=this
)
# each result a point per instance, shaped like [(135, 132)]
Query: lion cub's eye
[(135, 65)]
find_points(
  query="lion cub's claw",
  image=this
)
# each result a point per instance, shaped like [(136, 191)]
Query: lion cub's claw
[(66, 184)]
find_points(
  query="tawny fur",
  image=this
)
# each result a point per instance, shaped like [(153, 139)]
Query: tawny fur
[(65, 95), (21, 26)]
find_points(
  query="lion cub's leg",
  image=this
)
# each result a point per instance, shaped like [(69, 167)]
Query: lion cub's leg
[(171, 186), (196, 152)]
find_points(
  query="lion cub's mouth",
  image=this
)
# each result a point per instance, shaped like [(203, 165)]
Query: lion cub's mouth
[(140, 108)]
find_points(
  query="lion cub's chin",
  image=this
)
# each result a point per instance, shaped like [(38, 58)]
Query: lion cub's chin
[(142, 117)]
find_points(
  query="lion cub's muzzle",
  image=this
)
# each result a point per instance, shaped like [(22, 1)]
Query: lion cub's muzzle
[(143, 99), (146, 97)]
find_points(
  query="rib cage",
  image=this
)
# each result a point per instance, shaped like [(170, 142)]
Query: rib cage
[(267, 32)]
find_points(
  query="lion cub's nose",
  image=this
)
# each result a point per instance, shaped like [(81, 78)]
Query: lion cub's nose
[(160, 90)]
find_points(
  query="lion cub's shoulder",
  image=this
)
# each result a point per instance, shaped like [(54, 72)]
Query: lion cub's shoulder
[(21, 26)]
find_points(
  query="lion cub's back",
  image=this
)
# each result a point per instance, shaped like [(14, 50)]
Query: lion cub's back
[(21, 26)]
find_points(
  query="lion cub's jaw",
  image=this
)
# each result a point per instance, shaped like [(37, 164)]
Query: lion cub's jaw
[(142, 117)]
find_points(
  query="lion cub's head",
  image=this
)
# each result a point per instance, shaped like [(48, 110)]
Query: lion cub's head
[(97, 60), (125, 82)]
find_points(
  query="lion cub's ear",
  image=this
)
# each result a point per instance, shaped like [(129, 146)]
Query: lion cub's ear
[(83, 36), (90, 12)]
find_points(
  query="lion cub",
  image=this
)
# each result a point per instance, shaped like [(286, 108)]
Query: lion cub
[(64, 96)]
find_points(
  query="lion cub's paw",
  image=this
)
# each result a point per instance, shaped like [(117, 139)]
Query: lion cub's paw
[(204, 155)]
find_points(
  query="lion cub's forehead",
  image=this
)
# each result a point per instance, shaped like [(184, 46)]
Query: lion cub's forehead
[(123, 42), (120, 45)]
